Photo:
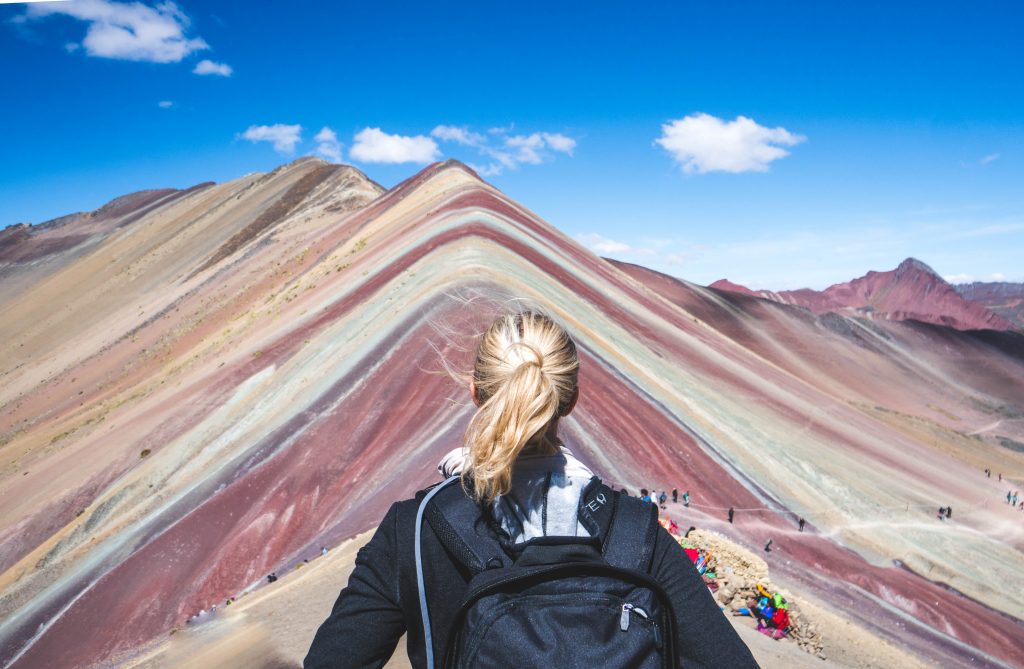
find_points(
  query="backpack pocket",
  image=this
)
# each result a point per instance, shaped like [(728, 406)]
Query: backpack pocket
[(583, 630)]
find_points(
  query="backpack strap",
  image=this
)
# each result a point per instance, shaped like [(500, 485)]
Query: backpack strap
[(629, 541), (464, 530), (459, 525), (626, 526)]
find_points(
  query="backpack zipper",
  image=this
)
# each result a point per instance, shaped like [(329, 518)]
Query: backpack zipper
[(628, 608), (624, 618)]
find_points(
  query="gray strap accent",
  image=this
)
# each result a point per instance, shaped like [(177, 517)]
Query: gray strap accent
[(427, 638), (544, 512)]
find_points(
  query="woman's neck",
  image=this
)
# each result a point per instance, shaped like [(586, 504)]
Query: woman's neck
[(544, 443)]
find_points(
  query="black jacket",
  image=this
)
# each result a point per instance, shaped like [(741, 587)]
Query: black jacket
[(380, 602)]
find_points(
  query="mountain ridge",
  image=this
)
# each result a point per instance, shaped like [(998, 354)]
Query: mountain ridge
[(1002, 297), (911, 291)]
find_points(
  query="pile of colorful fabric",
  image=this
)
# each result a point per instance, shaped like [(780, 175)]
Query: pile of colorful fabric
[(702, 561), (742, 581), (771, 611)]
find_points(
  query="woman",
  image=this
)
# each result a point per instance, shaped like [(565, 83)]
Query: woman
[(526, 484)]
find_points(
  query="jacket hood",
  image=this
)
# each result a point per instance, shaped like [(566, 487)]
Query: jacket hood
[(545, 496)]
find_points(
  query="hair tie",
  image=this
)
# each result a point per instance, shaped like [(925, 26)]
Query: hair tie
[(533, 358)]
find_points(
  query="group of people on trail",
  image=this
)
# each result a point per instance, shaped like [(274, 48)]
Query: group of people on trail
[(649, 496), (1012, 497), (945, 512), (662, 498)]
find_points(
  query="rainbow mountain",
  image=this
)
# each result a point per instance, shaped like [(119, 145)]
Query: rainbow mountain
[(204, 386)]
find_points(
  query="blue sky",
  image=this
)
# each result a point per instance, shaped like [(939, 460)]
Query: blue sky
[(780, 145)]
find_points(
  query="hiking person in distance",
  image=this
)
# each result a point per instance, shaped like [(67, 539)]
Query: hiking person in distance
[(517, 502)]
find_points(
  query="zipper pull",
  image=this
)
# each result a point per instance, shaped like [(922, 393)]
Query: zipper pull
[(624, 619)]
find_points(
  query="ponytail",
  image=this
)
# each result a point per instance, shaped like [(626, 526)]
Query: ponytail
[(525, 376)]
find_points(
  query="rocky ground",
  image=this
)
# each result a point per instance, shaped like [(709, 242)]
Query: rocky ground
[(272, 627), (822, 636)]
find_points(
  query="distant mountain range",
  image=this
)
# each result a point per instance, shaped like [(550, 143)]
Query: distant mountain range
[(912, 291), (1005, 299)]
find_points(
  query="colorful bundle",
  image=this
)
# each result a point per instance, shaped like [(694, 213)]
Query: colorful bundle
[(771, 611)]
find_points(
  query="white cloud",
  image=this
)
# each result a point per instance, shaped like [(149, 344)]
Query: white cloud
[(971, 278), (992, 157), (677, 259), (533, 148), (448, 133), (504, 151), (559, 142), (72, 47), (603, 245), (485, 170), (328, 145), (501, 160), (165, 104), (283, 137), (958, 278), (703, 143), (374, 146), (527, 148), (128, 31), (210, 67), (989, 230)]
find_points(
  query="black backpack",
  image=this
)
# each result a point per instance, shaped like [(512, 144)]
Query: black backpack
[(584, 602)]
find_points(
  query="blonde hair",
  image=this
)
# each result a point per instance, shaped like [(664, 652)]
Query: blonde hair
[(525, 375)]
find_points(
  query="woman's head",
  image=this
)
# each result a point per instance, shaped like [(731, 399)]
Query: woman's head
[(524, 380)]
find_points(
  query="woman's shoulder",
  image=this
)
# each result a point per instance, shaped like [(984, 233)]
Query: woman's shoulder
[(403, 512)]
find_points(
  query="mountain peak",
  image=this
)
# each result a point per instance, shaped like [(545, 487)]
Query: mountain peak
[(725, 284), (913, 264), (452, 163)]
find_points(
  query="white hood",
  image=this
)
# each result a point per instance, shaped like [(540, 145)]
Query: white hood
[(545, 495)]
